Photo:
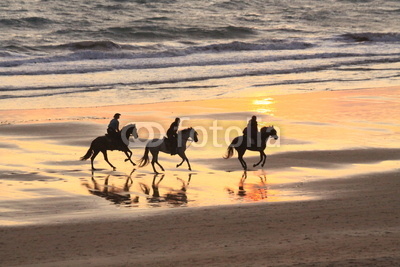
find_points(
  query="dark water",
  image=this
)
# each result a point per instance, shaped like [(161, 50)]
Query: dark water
[(83, 53)]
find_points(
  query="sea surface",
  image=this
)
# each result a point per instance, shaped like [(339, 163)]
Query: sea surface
[(91, 53)]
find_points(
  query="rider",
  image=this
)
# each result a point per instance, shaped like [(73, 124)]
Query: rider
[(113, 127), (172, 135), (252, 130)]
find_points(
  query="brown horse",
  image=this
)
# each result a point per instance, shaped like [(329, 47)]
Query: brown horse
[(242, 143), (104, 143)]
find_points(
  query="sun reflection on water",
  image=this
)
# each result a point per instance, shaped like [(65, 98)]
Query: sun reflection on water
[(264, 106)]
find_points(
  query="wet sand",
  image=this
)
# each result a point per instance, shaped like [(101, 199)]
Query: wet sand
[(327, 195)]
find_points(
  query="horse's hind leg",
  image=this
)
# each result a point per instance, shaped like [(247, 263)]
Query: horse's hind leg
[(106, 159), (93, 157), (241, 160), (154, 161), (261, 159)]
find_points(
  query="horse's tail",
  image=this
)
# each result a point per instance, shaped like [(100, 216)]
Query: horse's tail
[(145, 159), (88, 154), (230, 151)]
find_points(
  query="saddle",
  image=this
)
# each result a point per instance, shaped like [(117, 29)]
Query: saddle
[(253, 143), (114, 143), (168, 145)]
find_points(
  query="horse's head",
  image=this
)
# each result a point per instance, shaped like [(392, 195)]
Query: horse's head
[(194, 135), (129, 130), (190, 132), (270, 132)]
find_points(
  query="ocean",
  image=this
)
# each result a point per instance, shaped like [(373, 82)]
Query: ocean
[(93, 53)]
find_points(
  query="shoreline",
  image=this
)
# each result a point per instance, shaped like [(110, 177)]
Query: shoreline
[(186, 103)]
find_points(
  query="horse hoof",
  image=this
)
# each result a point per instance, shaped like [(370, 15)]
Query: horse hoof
[(134, 164), (114, 169), (126, 160)]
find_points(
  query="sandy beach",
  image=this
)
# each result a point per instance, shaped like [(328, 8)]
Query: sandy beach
[(327, 196)]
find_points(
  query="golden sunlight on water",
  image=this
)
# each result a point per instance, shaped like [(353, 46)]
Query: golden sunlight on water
[(265, 106)]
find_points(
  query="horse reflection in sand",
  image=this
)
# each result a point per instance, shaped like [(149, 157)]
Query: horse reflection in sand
[(175, 197), (242, 143), (115, 194), (256, 193)]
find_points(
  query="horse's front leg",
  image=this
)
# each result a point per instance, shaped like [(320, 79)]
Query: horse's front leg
[(106, 159), (184, 158), (261, 159), (180, 164), (265, 157), (129, 153)]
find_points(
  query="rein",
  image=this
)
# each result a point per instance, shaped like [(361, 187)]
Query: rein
[(189, 139)]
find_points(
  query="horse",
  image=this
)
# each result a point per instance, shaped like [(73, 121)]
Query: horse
[(104, 143), (240, 143), (159, 145)]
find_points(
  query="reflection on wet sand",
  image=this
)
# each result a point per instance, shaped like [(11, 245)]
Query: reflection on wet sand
[(176, 197), (180, 189), (256, 192), (115, 194), (123, 194)]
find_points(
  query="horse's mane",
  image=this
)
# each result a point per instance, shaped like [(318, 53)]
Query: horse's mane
[(129, 126), (186, 130), (267, 129)]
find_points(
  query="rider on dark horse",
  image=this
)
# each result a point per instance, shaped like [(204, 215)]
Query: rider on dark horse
[(172, 135), (251, 131), (113, 130)]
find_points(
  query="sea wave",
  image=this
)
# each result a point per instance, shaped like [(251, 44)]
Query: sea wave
[(105, 60), (246, 46), (92, 50), (163, 32), (91, 45), (371, 37), (297, 64), (29, 22)]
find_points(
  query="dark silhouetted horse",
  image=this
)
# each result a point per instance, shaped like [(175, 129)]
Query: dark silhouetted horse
[(104, 143), (243, 143)]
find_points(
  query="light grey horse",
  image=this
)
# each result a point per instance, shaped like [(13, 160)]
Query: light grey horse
[(155, 146)]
